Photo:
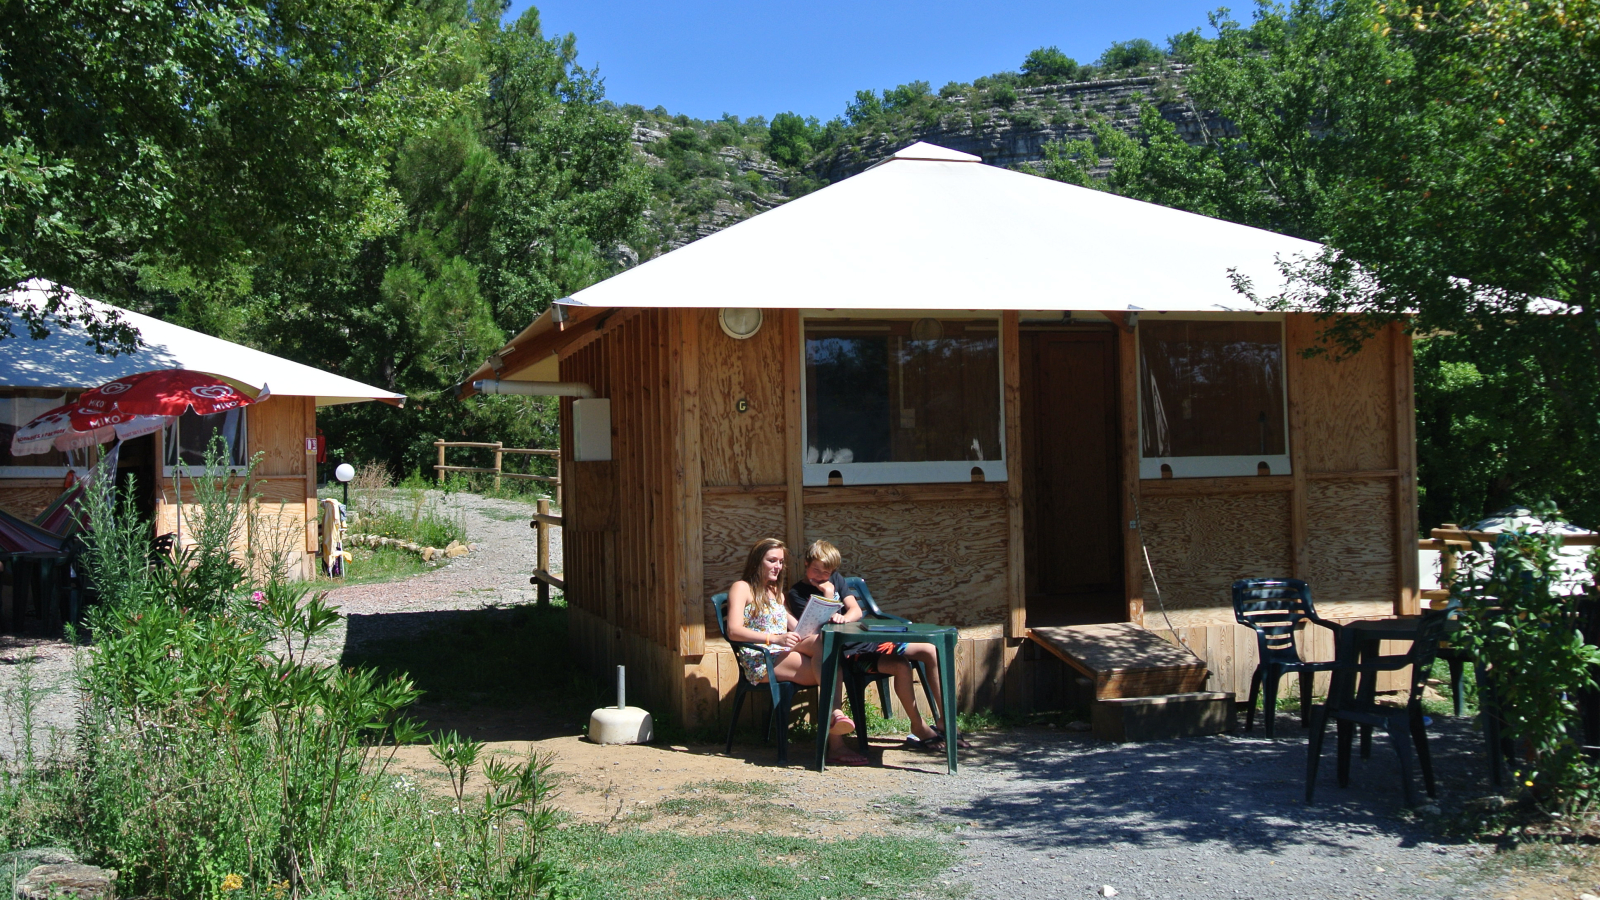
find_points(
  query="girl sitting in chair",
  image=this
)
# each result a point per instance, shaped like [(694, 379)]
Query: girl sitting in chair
[(757, 615)]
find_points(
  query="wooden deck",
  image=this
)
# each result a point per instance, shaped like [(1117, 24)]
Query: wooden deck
[(1124, 660)]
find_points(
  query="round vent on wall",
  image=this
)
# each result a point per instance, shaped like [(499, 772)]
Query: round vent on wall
[(739, 323)]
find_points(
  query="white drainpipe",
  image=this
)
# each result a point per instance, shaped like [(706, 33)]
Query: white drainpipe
[(535, 388)]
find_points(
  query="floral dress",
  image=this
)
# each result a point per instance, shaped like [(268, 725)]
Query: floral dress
[(767, 617)]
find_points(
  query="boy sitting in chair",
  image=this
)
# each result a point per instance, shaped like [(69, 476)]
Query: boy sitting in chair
[(821, 576)]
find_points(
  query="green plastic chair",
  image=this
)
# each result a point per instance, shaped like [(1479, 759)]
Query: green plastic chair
[(782, 692)]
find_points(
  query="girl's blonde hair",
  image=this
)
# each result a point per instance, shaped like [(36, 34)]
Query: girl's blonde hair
[(752, 568)]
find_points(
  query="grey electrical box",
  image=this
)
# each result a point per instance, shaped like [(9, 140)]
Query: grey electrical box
[(591, 430)]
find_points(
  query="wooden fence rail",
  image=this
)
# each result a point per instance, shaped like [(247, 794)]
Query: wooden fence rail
[(542, 523), (499, 453), (1451, 540)]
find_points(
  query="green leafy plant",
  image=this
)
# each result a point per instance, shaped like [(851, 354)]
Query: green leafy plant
[(1523, 630)]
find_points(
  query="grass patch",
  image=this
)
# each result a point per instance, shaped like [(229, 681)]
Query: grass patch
[(369, 565), (667, 866), (724, 801)]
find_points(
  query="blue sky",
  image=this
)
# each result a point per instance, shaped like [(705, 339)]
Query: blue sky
[(714, 56)]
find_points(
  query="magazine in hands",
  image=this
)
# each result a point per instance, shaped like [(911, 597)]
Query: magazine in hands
[(817, 613)]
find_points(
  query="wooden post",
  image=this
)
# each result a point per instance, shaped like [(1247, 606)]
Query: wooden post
[(544, 552), (439, 469), (498, 457), (1011, 380), (1132, 535)]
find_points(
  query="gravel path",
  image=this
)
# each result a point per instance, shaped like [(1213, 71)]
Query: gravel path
[(1060, 815), (496, 573)]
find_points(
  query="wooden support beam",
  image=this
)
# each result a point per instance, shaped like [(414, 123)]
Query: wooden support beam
[(309, 410), (1294, 326), (1132, 528), (692, 619), (793, 458), (1405, 449), (1016, 556)]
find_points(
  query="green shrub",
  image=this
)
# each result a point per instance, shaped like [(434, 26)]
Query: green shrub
[(1050, 65), (215, 755), (1523, 630)]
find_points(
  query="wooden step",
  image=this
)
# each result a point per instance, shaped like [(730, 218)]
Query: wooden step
[(1136, 719), (1124, 660)]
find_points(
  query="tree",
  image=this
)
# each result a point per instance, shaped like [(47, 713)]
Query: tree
[(1128, 54), (1049, 65), (791, 139), (515, 201), (151, 132)]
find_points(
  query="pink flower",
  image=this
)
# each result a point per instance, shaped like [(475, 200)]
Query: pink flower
[(259, 598)]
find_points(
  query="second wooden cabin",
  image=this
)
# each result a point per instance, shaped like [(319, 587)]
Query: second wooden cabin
[(1010, 402)]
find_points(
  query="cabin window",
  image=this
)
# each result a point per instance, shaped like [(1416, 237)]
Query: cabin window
[(189, 436), (18, 407), (1211, 398), (902, 401)]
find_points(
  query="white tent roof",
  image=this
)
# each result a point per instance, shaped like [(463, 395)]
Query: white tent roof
[(931, 228), (67, 359), (934, 229)]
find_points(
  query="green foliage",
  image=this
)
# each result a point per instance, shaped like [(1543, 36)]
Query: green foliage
[(1124, 55), (1050, 66), (146, 131), (792, 139), (217, 753), (1523, 630)]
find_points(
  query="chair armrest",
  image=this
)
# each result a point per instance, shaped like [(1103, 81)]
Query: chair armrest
[(1334, 627)]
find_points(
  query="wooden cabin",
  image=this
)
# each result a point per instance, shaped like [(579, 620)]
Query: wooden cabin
[(38, 375), (1008, 401)]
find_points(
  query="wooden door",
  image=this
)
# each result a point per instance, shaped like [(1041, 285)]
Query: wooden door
[(1071, 508)]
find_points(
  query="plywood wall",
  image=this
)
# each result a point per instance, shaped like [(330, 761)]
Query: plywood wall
[(750, 447), (938, 555), (27, 497)]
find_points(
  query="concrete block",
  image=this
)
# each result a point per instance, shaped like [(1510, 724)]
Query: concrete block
[(630, 725), (1135, 719)]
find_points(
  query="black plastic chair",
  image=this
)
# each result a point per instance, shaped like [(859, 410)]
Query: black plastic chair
[(782, 692), (1273, 608), (1352, 702), (870, 609)]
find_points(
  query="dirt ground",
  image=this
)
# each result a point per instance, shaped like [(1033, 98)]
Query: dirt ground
[(699, 790)]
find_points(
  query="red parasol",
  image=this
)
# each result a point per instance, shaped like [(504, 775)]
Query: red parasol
[(168, 392), (72, 426)]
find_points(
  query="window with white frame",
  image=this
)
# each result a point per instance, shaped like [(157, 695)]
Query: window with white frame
[(902, 401), (1211, 398), (18, 407), (188, 438)]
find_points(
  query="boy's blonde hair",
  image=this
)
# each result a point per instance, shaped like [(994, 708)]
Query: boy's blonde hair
[(825, 553)]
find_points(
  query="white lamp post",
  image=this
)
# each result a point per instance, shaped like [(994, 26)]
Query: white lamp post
[(344, 473)]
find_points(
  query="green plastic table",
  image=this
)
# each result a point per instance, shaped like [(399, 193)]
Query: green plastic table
[(835, 638)]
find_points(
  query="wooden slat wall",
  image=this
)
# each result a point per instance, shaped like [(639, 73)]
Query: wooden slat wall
[(629, 564), (1343, 520)]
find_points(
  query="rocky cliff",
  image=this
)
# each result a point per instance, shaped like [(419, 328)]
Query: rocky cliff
[(709, 175)]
